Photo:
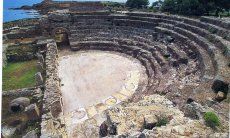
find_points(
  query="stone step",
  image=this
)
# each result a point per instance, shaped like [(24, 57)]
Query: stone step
[(199, 40), (137, 18), (221, 43), (124, 30), (211, 28), (87, 17), (124, 41), (160, 58), (224, 33), (73, 29), (218, 60), (176, 52), (91, 22), (92, 32), (128, 49), (216, 21), (118, 32), (136, 23), (205, 64), (125, 49)]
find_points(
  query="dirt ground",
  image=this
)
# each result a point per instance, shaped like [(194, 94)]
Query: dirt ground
[(88, 77)]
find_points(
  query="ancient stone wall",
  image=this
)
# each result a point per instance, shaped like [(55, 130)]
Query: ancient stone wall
[(52, 94), (19, 108), (52, 104), (4, 58), (22, 40), (21, 23), (21, 52), (8, 96)]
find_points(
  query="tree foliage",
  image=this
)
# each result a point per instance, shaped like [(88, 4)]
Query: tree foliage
[(195, 7), (137, 3)]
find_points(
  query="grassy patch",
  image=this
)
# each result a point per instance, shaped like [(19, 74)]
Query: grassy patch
[(162, 121), (211, 119), (19, 75)]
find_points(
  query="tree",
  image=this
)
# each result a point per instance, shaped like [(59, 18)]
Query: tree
[(169, 6), (216, 6), (191, 7), (137, 3), (195, 7), (157, 4)]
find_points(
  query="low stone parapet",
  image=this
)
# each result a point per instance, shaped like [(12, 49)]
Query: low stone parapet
[(52, 104)]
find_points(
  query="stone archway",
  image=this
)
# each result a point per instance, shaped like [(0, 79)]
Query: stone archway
[(61, 35)]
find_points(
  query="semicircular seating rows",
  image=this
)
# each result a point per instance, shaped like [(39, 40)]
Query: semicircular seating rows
[(173, 49)]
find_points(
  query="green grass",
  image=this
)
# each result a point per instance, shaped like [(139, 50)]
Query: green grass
[(211, 119), (19, 75), (162, 121)]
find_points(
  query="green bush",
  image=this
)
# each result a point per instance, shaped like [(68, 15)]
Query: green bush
[(162, 121), (211, 119)]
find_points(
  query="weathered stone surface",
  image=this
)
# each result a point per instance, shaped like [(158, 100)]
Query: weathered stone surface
[(40, 58), (220, 95), (178, 126), (169, 39), (60, 17), (103, 130), (7, 131), (40, 66), (32, 112), (31, 134), (19, 104), (56, 108), (38, 79), (88, 128), (134, 116), (149, 122), (52, 105)]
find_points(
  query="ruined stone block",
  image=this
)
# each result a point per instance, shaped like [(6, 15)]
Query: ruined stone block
[(19, 104), (40, 66), (31, 134), (40, 58), (38, 79), (56, 108), (32, 112), (220, 96)]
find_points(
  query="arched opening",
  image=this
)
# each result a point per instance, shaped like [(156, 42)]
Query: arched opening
[(61, 36)]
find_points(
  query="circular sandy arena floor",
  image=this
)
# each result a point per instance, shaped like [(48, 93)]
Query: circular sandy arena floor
[(92, 77)]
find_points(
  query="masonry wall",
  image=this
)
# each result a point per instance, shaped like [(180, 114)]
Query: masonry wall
[(52, 105)]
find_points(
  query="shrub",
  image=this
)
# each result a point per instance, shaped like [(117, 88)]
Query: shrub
[(162, 121), (211, 119)]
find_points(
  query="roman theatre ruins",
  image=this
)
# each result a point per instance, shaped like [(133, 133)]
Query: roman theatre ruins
[(94, 61), (113, 57)]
